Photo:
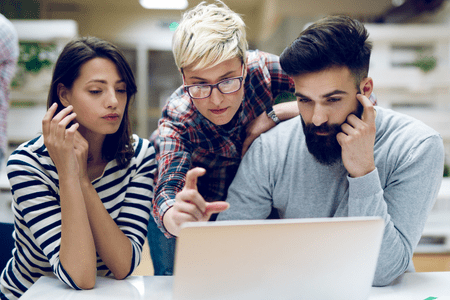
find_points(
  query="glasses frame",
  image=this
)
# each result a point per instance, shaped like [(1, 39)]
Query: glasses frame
[(216, 85)]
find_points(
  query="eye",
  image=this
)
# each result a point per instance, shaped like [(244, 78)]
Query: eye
[(334, 99), (202, 87), (303, 100), (227, 82), (122, 91), (95, 92)]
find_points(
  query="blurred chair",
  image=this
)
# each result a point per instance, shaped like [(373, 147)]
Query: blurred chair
[(6, 243)]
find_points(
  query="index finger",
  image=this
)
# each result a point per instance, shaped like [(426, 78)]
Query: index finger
[(369, 111), (191, 177)]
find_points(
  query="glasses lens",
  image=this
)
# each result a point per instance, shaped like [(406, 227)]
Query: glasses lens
[(230, 86), (199, 91)]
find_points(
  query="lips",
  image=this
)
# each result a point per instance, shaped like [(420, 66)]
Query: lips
[(111, 117), (322, 133), (218, 111)]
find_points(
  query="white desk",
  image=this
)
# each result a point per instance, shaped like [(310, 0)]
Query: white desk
[(410, 286), (132, 288)]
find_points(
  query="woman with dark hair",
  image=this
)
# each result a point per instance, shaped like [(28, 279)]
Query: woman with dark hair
[(82, 190)]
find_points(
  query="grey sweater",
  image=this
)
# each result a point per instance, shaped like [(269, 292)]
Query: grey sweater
[(278, 171)]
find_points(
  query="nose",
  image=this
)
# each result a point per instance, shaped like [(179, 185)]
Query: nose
[(319, 115), (111, 99), (216, 96)]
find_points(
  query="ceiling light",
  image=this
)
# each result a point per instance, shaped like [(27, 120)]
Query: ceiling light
[(164, 4), (398, 2)]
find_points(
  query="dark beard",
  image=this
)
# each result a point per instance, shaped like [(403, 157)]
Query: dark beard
[(325, 149)]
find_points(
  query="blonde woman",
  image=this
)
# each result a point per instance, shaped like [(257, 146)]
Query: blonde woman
[(226, 101)]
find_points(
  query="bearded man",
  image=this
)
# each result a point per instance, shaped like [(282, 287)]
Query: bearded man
[(342, 156)]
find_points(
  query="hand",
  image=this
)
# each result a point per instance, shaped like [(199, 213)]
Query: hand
[(81, 147), (254, 129), (190, 206), (357, 140), (59, 140)]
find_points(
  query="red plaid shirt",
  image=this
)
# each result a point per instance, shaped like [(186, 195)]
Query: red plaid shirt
[(186, 139), (9, 52)]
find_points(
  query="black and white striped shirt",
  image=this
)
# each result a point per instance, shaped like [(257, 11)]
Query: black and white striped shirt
[(125, 193)]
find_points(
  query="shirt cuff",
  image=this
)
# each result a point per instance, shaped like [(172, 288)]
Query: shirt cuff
[(163, 209), (364, 186)]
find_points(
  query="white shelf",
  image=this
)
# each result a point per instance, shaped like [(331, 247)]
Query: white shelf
[(398, 43), (45, 30)]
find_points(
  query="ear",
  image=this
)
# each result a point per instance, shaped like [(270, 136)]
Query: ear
[(63, 94), (366, 86)]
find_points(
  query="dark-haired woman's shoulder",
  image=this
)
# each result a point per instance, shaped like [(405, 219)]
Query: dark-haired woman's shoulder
[(31, 157), (144, 153)]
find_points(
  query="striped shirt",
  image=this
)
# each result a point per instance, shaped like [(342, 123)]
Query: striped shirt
[(125, 193), (9, 53), (187, 139)]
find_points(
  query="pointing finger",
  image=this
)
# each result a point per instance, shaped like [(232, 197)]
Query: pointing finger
[(216, 207)]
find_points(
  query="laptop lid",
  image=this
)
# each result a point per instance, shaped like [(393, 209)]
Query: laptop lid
[(324, 258)]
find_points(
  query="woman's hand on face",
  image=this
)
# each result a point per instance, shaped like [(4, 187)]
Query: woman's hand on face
[(59, 140)]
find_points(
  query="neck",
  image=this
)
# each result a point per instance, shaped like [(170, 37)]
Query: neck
[(95, 142)]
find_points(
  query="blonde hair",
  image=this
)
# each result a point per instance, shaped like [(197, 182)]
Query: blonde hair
[(209, 35)]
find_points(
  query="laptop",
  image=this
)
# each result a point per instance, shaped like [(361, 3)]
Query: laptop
[(322, 258)]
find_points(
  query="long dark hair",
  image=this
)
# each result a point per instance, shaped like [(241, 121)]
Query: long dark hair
[(67, 69)]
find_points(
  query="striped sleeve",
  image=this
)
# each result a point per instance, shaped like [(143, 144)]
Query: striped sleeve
[(135, 209), (36, 200), (126, 194)]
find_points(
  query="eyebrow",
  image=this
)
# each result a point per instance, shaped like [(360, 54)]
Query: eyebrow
[(335, 92), (103, 81), (227, 74)]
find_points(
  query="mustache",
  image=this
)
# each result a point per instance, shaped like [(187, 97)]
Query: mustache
[(328, 128)]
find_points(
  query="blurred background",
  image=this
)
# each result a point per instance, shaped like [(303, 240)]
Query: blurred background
[(145, 37), (410, 63)]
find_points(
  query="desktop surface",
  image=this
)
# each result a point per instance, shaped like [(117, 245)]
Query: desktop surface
[(419, 286)]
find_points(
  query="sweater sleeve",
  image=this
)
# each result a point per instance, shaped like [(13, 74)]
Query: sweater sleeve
[(404, 204)]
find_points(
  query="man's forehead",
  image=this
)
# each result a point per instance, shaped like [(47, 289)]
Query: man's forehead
[(324, 83), (324, 95)]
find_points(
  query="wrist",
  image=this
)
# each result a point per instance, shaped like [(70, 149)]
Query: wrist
[(168, 222), (271, 114), (85, 181), (362, 172)]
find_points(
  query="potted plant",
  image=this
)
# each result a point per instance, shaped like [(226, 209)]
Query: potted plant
[(33, 74)]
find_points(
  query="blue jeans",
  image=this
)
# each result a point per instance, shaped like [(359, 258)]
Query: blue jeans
[(162, 249)]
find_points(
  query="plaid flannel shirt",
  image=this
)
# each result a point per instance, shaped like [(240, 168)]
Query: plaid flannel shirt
[(185, 139), (9, 52)]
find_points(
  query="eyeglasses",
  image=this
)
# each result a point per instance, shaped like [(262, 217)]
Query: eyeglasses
[(226, 86)]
